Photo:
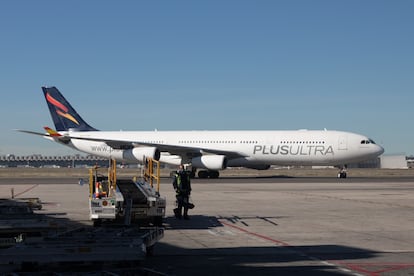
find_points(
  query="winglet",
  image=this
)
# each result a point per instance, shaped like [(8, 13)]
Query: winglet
[(52, 132)]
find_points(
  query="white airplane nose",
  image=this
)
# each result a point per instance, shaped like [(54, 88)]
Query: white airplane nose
[(380, 150)]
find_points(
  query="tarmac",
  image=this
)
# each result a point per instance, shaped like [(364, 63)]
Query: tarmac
[(266, 224)]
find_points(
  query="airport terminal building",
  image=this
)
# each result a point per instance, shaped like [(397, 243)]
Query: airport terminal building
[(399, 161), (38, 160)]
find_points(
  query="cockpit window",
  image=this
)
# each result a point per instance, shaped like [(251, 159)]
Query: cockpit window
[(369, 141)]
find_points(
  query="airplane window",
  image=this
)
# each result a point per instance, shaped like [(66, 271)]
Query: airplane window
[(372, 141)]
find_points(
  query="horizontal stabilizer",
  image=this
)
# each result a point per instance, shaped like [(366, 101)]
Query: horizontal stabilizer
[(33, 132), (52, 132)]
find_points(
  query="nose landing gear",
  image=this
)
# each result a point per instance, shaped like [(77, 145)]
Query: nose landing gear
[(342, 172)]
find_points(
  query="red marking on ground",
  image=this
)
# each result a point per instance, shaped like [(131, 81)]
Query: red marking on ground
[(255, 234), (25, 191), (370, 269), (373, 269)]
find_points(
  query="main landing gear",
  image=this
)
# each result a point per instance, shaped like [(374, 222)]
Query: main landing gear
[(208, 174), (201, 174)]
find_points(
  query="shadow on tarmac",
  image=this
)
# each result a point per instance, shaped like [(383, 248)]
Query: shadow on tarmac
[(269, 260), (199, 222), (196, 222), (242, 260), (252, 260)]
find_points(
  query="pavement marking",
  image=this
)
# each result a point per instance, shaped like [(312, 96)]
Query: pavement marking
[(212, 233), (256, 234), (292, 248), (27, 190), (220, 232), (374, 269)]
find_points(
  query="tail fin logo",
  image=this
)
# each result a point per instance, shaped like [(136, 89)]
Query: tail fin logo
[(61, 110)]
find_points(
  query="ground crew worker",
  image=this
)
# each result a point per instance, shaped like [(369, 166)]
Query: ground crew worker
[(182, 187)]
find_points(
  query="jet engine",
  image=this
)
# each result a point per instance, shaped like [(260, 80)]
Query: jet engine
[(210, 162), (140, 153)]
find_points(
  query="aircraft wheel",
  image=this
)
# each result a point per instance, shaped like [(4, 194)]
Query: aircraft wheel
[(214, 174), (342, 175), (203, 174)]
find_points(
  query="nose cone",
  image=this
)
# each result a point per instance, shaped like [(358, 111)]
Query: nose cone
[(380, 150)]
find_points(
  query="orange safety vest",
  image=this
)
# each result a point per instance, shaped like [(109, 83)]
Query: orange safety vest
[(98, 189)]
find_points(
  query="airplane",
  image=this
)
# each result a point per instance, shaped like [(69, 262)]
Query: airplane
[(207, 151)]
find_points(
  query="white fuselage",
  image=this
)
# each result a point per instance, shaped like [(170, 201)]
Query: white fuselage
[(245, 148)]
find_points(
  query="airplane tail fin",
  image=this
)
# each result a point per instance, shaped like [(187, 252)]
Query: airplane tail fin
[(63, 114)]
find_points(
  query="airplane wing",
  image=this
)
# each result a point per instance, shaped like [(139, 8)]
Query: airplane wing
[(172, 149), (196, 151), (126, 144)]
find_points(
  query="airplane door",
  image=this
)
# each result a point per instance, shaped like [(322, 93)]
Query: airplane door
[(343, 143)]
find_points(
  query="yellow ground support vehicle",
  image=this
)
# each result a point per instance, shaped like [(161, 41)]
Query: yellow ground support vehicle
[(126, 200)]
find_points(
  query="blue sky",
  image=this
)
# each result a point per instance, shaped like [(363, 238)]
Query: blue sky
[(185, 65)]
